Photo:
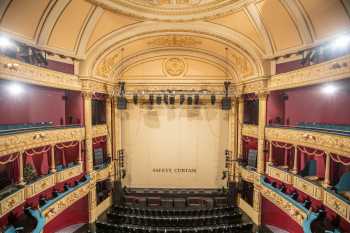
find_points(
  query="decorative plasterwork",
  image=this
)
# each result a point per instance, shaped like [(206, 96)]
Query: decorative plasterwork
[(327, 142), (107, 65), (279, 174), (174, 66), (9, 203), (250, 130), (58, 207), (293, 211), (68, 173), (104, 173), (246, 174), (40, 185), (175, 41), (252, 86), (308, 187), (12, 69), (327, 71), (172, 10), (337, 204), (99, 130), (23, 141)]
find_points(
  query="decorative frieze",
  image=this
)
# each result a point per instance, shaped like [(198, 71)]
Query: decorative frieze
[(12, 69), (338, 205), (99, 131), (69, 173), (23, 141), (308, 187), (323, 141), (326, 71), (104, 173), (250, 130), (9, 203), (279, 174), (40, 185)]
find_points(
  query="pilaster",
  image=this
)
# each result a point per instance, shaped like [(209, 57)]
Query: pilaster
[(88, 130), (261, 131)]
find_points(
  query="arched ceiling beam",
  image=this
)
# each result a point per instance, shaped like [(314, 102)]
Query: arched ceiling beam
[(120, 37), (50, 21), (299, 17), (253, 13)]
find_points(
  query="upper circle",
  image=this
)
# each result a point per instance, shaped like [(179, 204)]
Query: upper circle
[(172, 10)]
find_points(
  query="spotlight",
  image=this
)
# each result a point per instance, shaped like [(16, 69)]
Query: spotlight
[(135, 99), (341, 42), (172, 100), (5, 42), (213, 99), (166, 99), (182, 99), (151, 99), (329, 89), (159, 100), (196, 99), (122, 103), (15, 89), (189, 100), (226, 103)]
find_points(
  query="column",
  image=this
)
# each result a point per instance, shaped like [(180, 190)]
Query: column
[(257, 204), (80, 160), (270, 162), (88, 131), (109, 125), (21, 169), (233, 139), (261, 132), (92, 207), (327, 175), (52, 154), (117, 137), (295, 163), (240, 126)]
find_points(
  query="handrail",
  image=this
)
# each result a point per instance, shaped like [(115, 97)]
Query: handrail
[(321, 130), (32, 129)]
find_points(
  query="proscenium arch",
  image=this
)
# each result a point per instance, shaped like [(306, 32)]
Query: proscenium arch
[(232, 75), (219, 33)]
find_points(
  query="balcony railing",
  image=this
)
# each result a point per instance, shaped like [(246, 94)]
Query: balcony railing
[(40, 185), (246, 174), (99, 130), (250, 130), (279, 174), (12, 201), (69, 173), (334, 143), (22, 141)]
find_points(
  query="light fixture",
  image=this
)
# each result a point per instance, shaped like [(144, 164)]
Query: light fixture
[(135, 99), (151, 99), (172, 100), (182, 99), (189, 100), (5, 42), (159, 100), (15, 89), (341, 42), (196, 99), (329, 89), (213, 99)]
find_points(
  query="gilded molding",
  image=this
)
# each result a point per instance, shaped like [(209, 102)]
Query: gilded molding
[(103, 206), (246, 175), (104, 173), (40, 185), (99, 130), (69, 173), (252, 86), (279, 174), (327, 142), (12, 69), (337, 205), (58, 207), (23, 141), (9, 203), (327, 71), (250, 130), (308, 187)]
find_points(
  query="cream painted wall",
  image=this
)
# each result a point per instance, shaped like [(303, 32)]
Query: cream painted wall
[(179, 137)]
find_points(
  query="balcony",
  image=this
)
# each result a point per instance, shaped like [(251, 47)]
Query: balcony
[(337, 203), (68, 173), (246, 174), (250, 130), (322, 140), (99, 130), (104, 172), (12, 201), (40, 185), (279, 174), (38, 137)]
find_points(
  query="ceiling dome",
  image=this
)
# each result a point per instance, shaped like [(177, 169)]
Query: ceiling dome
[(171, 10)]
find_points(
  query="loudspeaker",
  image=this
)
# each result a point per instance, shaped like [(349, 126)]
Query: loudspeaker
[(122, 103), (226, 103)]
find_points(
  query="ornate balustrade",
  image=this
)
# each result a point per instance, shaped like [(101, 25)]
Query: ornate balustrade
[(246, 174), (104, 173), (104, 205), (310, 188), (250, 130), (333, 143), (69, 173), (279, 174), (12, 69), (12, 201), (99, 130), (40, 185), (23, 141), (337, 204), (331, 70)]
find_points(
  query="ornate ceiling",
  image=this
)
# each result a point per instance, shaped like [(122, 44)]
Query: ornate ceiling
[(235, 36)]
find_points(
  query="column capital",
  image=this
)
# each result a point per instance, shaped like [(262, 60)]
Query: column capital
[(87, 94), (262, 94)]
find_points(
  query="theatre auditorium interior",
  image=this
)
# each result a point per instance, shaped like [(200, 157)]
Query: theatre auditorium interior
[(175, 116)]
